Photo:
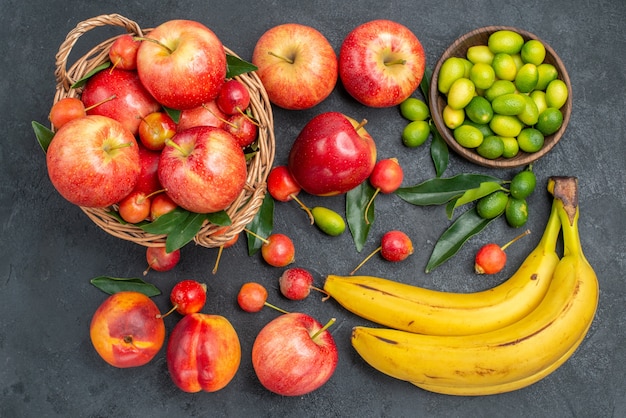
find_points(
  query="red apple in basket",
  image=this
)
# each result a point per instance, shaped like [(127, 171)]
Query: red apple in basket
[(148, 181), (129, 102), (294, 355), (182, 64), (381, 63), (93, 161), (207, 114), (203, 169), (297, 65), (332, 154)]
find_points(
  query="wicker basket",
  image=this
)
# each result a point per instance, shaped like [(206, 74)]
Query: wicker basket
[(245, 206)]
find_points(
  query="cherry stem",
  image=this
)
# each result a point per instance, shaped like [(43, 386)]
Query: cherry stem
[(247, 116), (217, 260), (369, 203), (168, 312), (322, 291), (289, 60), (140, 38), (269, 305), (366, 259), (324, 328), (505, 246), (87, 109), (265, 241), (304, 207)]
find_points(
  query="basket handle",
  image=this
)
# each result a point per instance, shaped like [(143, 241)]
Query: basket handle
[(61, 72)]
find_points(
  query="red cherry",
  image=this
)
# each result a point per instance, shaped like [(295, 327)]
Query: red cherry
[(283, 187), (155, 128), (65, 110), (233, 97), (242, 128), (386, 178), (160, 260), (278, 250), (161, 204), (395, 246), (188, 296), (135, 207), (296, 283), (491, 258), (252, 297), (123, 52)]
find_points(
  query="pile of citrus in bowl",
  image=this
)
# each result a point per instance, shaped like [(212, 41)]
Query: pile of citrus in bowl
[(501, 98)]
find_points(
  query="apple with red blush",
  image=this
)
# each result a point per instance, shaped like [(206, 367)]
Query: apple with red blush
[(148, 181), (297, 65), (381, 63), (207, 114), (294, 354), (182, 63), (332, 154)]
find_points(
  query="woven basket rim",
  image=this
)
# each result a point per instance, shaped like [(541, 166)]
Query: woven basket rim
[(243, 209), (437, 100)]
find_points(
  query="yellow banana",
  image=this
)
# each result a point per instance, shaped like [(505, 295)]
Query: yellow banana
[(511, 357), (416, 309)]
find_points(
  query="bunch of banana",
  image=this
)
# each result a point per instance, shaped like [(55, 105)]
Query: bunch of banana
[(510, 357), (425, 311)]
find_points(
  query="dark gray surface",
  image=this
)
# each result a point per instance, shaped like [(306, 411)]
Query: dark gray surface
[(50, 249)]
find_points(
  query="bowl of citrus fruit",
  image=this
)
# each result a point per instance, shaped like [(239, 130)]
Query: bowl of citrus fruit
[(500, 97)]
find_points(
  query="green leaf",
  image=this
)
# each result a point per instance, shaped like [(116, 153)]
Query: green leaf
[(356, 202), (173, 113), (439, 191), (185, 231), (439, 152), (463, 228), (86, 77), (262, 224), (220, 218), (425, 83), (113, 285), (473, 194), (236, 66), (44, 135), (167, 223)]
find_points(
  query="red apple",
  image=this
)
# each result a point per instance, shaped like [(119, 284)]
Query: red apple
[(291, 357), (148, 181), (93, 161), (297, 65), (207, 114), (381, 63), (131, 102), (203, 169), (184, 66), (332, 155)]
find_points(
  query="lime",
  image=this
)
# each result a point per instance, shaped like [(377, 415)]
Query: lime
[(506, 41), (479, 110), (479, 53), (468, 66), (526, 78), (530, 114), (491, 148), (482, 127), (517, 59), (504, 66), (492, 205), (460, 93), (523, 184), (414, 109), (550, 121), (509, 104), (556, 93), (516, 212), (511, 147), (547, 73), (482, 75), (498, 88), (533, 52), (328, 221), (453, 118), (505, 125), (539, 97), (468, 136), (530, 140), (452, 69), (415, 133)]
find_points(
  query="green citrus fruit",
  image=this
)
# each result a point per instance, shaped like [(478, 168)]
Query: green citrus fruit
[(452, 69), (479, 53), (505, 125), (482, 127), (491, 148), (523, 184), (415, 133), (414, 109), (492, 205), (482, 75), (498, 88), (530, 114), (526, 78), (509, 104), (516, 212), (547, 73), (550, 121), (328, 221), (468, 136), (511, 147), (556, 93), (453, 118), (539, 97), (506, 41), (530, 140), (479, 110), (460, 93), (533, 52), (504, 66)]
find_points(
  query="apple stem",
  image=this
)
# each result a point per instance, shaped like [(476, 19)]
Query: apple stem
[(171, 143), (327, 295), (168, 312), (324, 328), (116, 147), (523, 234), (140, 38), (217, 260), (369, 203), (100, 102), (269, 305), (365, 260), (289, 60), (256, 236), (304, 207), (394, 62), (361, 124)]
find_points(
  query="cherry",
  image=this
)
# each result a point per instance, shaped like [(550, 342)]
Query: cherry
[(161, 204), (491, 258), (233, 97), (227, 244), (154, 129), (160, 260), (386, 178), (252, 297), (136, 206), (242, 128), (277, 249), (296, 284), (283, 187), (123, 52), (187, 296), (395, 246), (70, 108)]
